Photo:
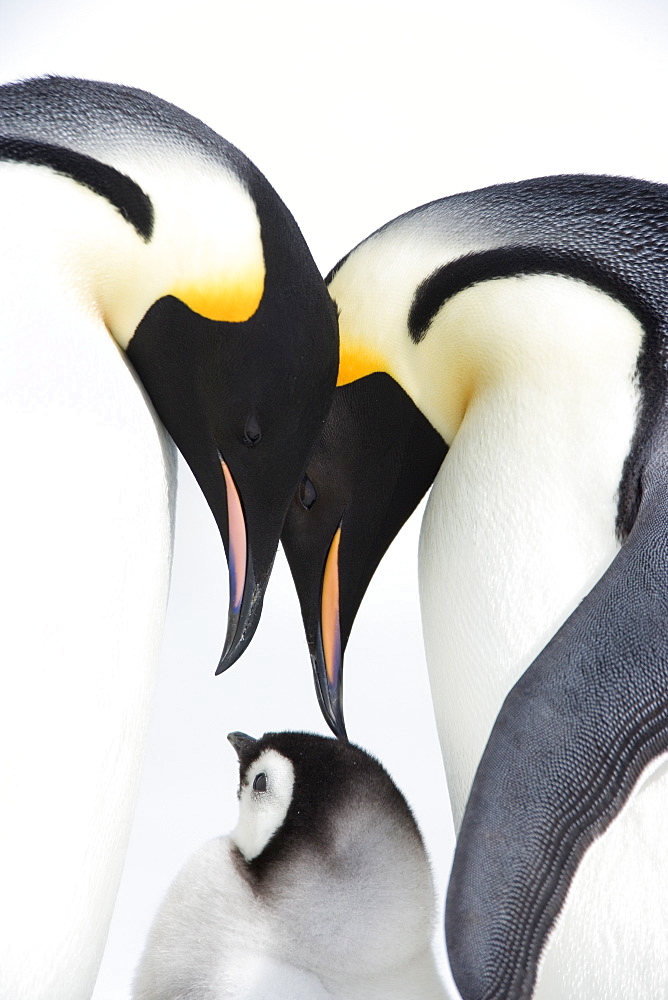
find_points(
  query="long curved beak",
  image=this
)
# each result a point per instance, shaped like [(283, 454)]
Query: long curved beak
[(250, 531), (312, 542), (241, 618)]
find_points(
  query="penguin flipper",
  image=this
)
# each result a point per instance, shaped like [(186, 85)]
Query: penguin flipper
[(569, 744)]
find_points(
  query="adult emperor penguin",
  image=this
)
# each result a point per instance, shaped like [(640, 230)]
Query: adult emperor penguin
[(522, 329), (323, 890), (132, 231)]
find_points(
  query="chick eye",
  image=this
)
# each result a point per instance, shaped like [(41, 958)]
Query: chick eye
[(252, 432), (307, 493), (260, 782)]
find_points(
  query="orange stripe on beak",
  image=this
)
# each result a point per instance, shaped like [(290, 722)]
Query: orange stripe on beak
[(329, 612)]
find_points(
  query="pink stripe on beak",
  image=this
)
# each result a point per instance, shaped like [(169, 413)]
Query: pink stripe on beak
[(237, 541)]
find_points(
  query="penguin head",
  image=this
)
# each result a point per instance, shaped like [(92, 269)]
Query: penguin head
[(328, 844), (443, 308), (266, 786), (377, 456), (245, 399), (177, 244)]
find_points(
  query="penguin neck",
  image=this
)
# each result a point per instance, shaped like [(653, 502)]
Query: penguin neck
[(77, 245), (520, 524)]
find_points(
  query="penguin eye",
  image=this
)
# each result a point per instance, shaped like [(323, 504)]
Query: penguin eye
[(260, 782), (307, 493), (252, 432)]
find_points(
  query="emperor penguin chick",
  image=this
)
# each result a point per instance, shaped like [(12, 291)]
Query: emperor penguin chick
[(323, 889)]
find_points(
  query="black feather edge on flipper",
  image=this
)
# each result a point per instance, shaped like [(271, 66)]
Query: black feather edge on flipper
[(568, 746)]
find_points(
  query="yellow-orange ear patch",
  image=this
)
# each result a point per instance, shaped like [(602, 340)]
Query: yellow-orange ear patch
[(357, 360), (233, 301)]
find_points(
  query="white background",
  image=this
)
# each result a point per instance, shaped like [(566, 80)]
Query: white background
[(355, 112)]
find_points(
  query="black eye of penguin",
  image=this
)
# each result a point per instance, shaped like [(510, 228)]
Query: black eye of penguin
[(260, 782), (307, 493), (252, 432)]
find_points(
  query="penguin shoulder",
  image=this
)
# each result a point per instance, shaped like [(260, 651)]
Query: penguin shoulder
[(209, 919), (213, 938)]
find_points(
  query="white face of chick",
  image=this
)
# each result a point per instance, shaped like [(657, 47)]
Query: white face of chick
[(264, 798)]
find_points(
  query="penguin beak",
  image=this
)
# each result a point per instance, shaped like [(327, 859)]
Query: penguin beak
[(250, 526), (376, 458), (246, 749), (245, 602), (242, 743)]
